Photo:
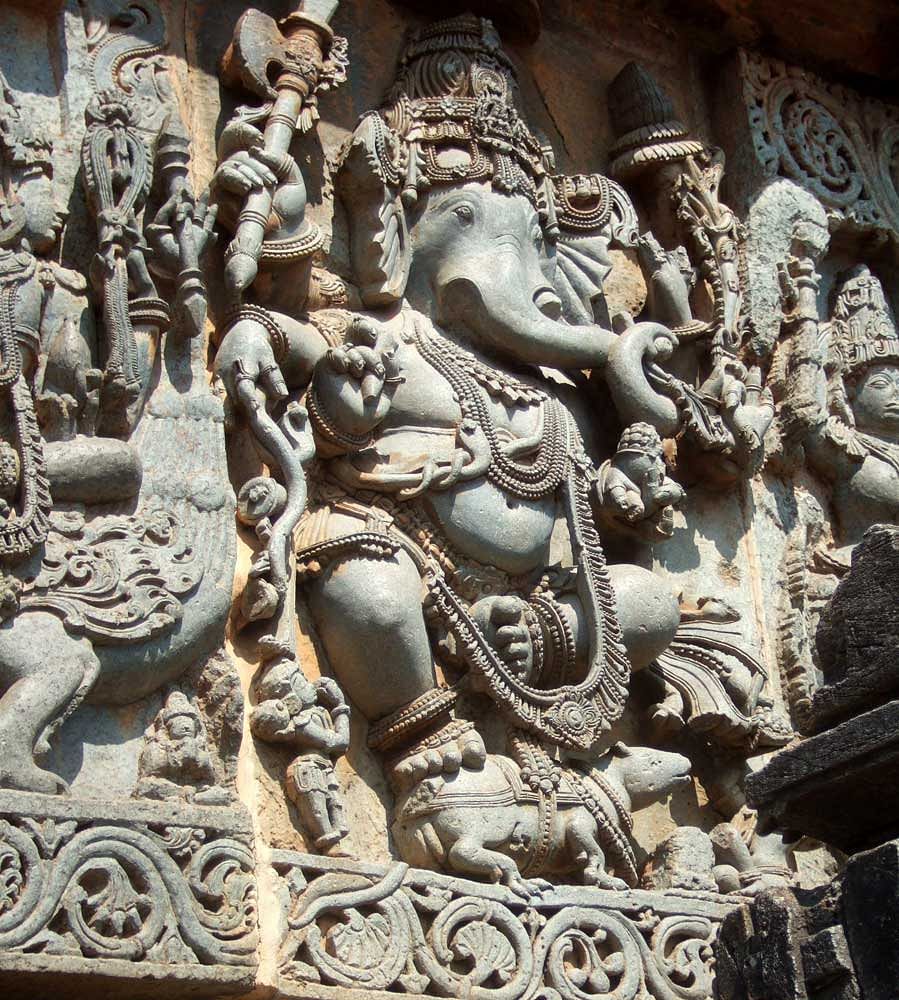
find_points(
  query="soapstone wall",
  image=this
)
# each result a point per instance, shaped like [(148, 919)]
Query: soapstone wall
[(197, 799)]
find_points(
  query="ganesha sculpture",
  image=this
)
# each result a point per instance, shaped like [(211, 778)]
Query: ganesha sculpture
[(445, 539)]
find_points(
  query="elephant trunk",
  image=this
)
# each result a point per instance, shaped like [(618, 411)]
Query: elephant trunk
[(518, 323), (635, 398)]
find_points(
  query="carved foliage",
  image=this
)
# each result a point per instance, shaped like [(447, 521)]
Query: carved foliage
[(833, 142), (115, 580), (404, 930), (72, 885)]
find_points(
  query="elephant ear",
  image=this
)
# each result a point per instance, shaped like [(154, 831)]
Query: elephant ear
[(593, 213), (369, 186)]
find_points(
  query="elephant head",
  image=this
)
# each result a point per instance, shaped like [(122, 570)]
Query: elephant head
[(476, 259), (454, 209)]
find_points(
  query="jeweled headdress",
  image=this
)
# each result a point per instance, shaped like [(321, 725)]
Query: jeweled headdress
[(451, 118), (863, 330)]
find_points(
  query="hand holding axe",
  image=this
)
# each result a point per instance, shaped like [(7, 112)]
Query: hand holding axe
[(296, 50)]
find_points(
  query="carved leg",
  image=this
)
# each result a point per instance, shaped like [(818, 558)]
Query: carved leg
[(469, 857), (313, 809), (337, 815), (368, 613), (44, 670), (588, 855)]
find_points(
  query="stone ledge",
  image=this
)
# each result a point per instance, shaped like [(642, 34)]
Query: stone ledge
[(27, 977), (839, 786), (351, 928), (124, 899)]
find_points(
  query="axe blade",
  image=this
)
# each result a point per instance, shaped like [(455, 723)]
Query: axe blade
[(321, 10)]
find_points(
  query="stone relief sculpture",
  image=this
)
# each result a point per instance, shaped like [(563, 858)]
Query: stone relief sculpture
[(447, 463), (508, 657), (135, 568), (827, 138), (839, 388), (852, 438), (716, 406), (315, 718), (175, 760)]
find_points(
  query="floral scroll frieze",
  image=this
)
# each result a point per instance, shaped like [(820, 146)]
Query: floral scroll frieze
[(832, 141), (109, 881), (402, 930)]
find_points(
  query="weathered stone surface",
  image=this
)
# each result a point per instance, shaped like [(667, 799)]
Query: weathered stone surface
[(431, 935), (125, 898), (838, 785), (511, 440), (870, 892), (858, 634)]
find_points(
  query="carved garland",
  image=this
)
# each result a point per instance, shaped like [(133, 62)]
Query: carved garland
[(23, 532)]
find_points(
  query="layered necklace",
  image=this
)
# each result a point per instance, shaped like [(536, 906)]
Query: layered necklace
[(466, 375)]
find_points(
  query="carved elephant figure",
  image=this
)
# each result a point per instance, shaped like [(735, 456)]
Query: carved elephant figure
[(437, 401), (483, 823)]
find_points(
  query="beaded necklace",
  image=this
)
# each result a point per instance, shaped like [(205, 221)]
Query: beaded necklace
[(465, 375)]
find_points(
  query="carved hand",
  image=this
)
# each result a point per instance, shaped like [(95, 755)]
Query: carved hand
[(503, 622), (163, 231), (245, 362), (329, 693), (253, 169), (669, 293), (355, 382)]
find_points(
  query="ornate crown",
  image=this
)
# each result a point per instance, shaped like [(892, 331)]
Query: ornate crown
[(863, 331), (452, 103), (451, 117)]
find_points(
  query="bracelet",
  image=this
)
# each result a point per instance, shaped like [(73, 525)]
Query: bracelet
[(389, 732), (276, 335), (296, 247), (692, 328), (325, 429)]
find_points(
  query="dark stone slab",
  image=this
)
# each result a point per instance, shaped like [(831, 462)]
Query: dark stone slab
[(858, 636), (870, 904), (789, 944), (840, 785)]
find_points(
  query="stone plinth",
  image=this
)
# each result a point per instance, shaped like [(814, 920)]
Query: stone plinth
[(124, 899), (352, 929)]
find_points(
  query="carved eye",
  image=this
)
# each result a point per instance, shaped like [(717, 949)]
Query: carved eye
[(464, 214)]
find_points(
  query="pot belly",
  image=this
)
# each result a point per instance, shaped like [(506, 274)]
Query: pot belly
[(482, 523)]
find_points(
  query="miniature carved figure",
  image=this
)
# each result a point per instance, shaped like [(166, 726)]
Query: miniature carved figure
[(175, 761), (314, 718), (634, 486), (718, 405), (847, 417)]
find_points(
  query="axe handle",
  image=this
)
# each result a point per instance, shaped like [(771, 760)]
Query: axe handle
[(293, 87)]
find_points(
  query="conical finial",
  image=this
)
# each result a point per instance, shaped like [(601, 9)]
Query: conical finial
[(643, 120)]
